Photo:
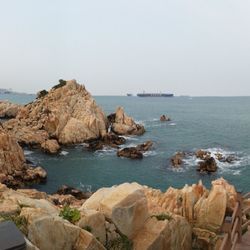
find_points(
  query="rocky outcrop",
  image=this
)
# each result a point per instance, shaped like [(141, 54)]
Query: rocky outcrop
[(177, 159), (8, 109), (135, 152), (14, 170), (109, 140), (164, 118), (78, 194), (50, 146), (128, 215), (208, 165), (67, 114), (122, 124)]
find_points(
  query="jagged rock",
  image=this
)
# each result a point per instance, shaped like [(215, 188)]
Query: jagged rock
[(8, 109), (132, 153), (14, 170), (135, 152), (208, 165), (122, 124), (164, 118), (110, 139), (50, 146), (177, 159), (173, 234), (125, 205), (42, 93), (68, 114), (78, 194)]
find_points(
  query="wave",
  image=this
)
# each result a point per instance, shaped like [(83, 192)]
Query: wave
[(172, 124), (234, 167), (85, 187), (64, 153), (105, 151), (150, 153), (28, 152), (130, 138)]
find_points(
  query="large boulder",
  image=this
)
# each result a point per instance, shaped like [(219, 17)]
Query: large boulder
[(14, 170), (50, 146), (8, 109), (172, 234), (67, 113), (125, 205), (209, 165), (122, 124)]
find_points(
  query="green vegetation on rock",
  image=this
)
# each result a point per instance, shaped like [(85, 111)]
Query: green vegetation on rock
[(120, 243), (70, 214), (60, 84)]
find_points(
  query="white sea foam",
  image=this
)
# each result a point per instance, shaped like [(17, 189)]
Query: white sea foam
[(105, 151), (172, 124), (130, 138), (64, 153), (233, 167), (150, 153), (28, 152), (85, 187)]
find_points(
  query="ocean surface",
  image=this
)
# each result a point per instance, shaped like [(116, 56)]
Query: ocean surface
[(218, 124)]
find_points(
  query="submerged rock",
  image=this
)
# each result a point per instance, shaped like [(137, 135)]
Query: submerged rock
[(135, 152), (122, 124), (67, 113)]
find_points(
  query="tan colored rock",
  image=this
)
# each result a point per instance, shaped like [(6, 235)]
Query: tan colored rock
[(8, 109), (68, 113), (9, 207), (95, 221), (125, 125), (50, 146), (125, 205), (49, 232), (13, 168), (173, 234), (210, 210)]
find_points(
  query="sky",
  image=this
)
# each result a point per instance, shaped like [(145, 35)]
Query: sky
[(114, 47)]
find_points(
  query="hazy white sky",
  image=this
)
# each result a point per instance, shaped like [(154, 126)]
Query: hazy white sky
[(195, 47)]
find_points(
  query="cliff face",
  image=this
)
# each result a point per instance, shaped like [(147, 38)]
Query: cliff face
[(13, 168), (67, 113)]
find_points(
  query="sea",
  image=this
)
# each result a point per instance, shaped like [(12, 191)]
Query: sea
[(217, 124)]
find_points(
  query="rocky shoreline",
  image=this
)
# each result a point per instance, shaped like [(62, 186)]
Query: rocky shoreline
[(127, 216)]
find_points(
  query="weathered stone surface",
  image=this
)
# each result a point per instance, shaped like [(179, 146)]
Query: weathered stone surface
[(50, 146), (125, 205), (122, 124), (8, 109), (67, 114), (95, 222), (78, 194), (173, 234), (14, 170)]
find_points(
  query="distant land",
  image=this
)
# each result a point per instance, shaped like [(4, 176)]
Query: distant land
[(10, 91)]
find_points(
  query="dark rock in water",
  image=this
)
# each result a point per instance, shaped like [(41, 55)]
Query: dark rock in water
[(78, 194), (144, 146), (203, 155), (228, 159), (135, 152), (164, 118), (110, 139), (131, 152), (208, 165), (177, 159)]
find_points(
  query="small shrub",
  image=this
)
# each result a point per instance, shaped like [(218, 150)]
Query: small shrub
[(42, 93), (162, 216), (87, 228), (60, 84), (70, 214), (121, 243)]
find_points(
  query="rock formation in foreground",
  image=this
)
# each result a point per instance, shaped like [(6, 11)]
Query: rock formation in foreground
[(127, 216), (67, 114), (14, 171), (122, 124)]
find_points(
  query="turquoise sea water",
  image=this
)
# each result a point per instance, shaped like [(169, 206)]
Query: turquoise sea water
[(216, 123)]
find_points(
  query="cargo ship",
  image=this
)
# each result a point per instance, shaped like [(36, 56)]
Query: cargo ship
[(155, 94)]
